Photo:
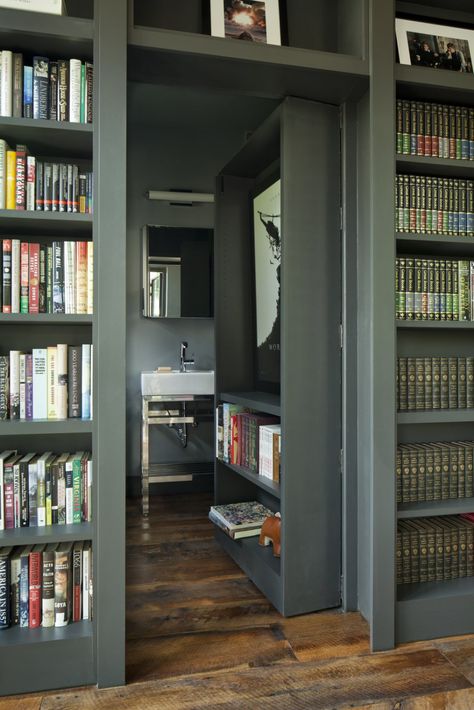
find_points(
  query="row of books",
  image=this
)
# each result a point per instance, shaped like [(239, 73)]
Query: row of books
[(46, 585), (27, 183), (46, 278), (435, 549), (48, 383), (59, 90), (433, 288), (440, 470), (434, 205), (439, 382), (240, 520), (239, 437), (47, 489), (435, 130)]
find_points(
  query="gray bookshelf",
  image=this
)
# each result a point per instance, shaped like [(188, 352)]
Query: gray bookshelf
[(295, 137), (88, 652)]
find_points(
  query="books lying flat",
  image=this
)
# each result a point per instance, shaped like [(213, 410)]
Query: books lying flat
[(239, 518)]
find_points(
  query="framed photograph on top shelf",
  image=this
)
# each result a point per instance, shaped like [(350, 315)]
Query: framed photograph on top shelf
[(437, 46), (252, 21), (266, 207)]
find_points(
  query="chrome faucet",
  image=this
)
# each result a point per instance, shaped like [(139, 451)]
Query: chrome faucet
[(182, 357)]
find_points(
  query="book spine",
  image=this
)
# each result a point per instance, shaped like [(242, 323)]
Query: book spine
[(24, 591), (77, 583), (27, 92), (52, 382), (30, 182), (35, 569), (34, 276), (53, 91), (9, 498), (55, 187), (68, 477), (42, 279), (3, 173), (40, 87), (4, 387), (74, 381), (63, 90), (86, 382), (5, 599), (22, 386), (41, 494), (6, 83), (90, 277), (89, 91), (6, 275), (62, 571), (48, 589), (14, 384), (15, 276), (48, 187), (11, 180), (39, 185), (58, 277), (40, 384), (77, 500), (20, 181), (17, 99), (75, 91)]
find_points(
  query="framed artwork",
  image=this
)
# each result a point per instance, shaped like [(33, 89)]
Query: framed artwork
[(437, 46), (266, 208), (251, 21)]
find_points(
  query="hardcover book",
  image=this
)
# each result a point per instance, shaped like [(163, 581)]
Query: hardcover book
[(241, 516)]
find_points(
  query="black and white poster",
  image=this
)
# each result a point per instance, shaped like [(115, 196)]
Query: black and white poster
[(267, 250)]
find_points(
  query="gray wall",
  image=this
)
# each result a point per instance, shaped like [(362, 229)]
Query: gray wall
[(163, 153)]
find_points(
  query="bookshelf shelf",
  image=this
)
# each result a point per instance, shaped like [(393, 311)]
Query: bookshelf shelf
[(45, 426), (71, 140), (433, 84), (434, 609), (438, 416), (45, 319), (48, 223), (406, 240), (264, 483), (50, 533), (42, 33), (435, 324), (259, 401), (439, 507), (16, 636), (435, 166), (176, 57)]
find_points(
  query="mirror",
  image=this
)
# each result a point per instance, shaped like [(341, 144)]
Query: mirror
[(177, 272)]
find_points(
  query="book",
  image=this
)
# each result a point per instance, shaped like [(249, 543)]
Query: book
[(35, 574), (40, 383), (5, 598), (40, 87), (48, 585), (62, 584), (4, 456), (241, 516), (74, 381), (6, 83)]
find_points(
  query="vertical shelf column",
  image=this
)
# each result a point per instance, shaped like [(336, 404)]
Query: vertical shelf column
[(376, 334), (109, 330)]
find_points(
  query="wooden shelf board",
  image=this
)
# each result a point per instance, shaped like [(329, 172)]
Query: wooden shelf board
[(45, 426), (264, 483), (434, 244), (37, 223), (434, 84), (16, 636), (72, 140), (435, 166), (435, 507), (260, 401), (171, 57), (50, 533), (437, 416), (56, 36), (45, 319), (437, 324)]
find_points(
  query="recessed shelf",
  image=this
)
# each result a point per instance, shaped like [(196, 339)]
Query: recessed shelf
[(45, 319), (73, 140), (260, 401), (265, 484), (435, 166), (55, 36), (172, 57), (46, 534), (438, 416), (434, 244), (39, 222), (435, 324), (435, 507), (16, 636), (434, 84), (45, 426)]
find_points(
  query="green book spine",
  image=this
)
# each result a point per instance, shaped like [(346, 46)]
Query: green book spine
[(397, 289), (439, 555), (462, 399), (405, 459), (418, 228), (435, 203), (399, 558), (462, 208), (402, 288), (398, 474), (456, 207), (412, 188), (444, 472), (469, 549), (434, 130), (452, 132), (454, 550), (413, 474), (453, 471), (455, 270), (429, 205), (406, 127), (411, 383), (470, 382), (421, 492), (431, 544), (399, 141), (399, 203), (445, 208), (429, 466), (428, 367), (464, 290), (461, 470), (423, 205), (420, 383), (449, 289), (413, 127), (422, 550), (436, 379), (410, 288), (442, 289), (82, 112), (447, 563), (437, 290), (76, 490), (402, 384), (438, 472), (414, 554), (458, 118), (444, 394), (418, 289), (431, 289), (428, 129), (420, 128), (406, 550), (406, 202), (453, 383)]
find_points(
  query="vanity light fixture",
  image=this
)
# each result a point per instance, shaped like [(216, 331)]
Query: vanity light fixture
[(180, 196)]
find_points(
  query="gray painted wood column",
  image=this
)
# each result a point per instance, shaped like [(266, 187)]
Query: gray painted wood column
[(109, 330), (376, 334)]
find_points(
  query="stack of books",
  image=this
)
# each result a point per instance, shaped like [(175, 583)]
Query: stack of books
[(439, 382), (239, 520)]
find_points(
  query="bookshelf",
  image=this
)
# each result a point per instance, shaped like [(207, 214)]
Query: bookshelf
[(307, 497), (417, 611), (86, 652)]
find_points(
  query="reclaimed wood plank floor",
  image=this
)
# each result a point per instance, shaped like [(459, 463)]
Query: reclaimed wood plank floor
[(201, 636)]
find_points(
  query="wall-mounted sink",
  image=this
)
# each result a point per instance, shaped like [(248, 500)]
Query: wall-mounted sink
[(176, 382)]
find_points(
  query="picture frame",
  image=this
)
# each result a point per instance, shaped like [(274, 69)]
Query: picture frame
[(435, 46), (249, 20), (266, 258)]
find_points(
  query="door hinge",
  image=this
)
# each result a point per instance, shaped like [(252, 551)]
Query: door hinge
[(342, 585), (341, 335), (341, 218), (341, 460)]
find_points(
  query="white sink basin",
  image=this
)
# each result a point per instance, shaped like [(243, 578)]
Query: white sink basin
[(177, 382)]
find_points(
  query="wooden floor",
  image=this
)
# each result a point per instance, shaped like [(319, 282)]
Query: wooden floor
[(201, 636)]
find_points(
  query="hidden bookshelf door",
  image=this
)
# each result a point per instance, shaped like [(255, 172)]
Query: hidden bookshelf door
[(302, 138)]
